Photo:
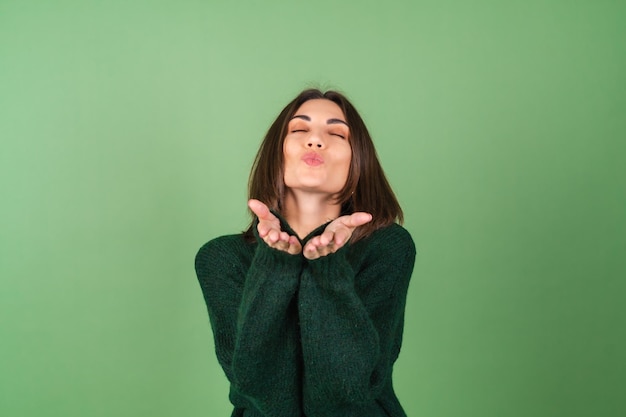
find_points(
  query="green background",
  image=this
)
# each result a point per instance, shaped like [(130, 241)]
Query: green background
[(127, 131)]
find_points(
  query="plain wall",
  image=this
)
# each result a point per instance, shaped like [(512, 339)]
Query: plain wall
[(127, 130)]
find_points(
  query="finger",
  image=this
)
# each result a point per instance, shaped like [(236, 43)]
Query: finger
[(311, 248), (326, 237), (315, 241), (294, 246), (281, 245), (285, 242), (326, 249), (310, 251), (264, 227), (341, 237), (273, 235)]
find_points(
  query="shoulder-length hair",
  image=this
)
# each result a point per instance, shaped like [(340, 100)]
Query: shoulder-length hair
[(366, 188)]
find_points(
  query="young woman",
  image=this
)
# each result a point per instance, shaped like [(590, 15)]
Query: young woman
[(307, 305)]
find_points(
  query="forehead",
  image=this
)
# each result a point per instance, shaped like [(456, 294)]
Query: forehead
[(322, 109)]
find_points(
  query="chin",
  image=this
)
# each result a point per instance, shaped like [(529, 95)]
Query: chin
[(310, 188), (314, 185)]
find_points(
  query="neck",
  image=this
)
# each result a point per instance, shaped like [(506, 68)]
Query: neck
[(306, 211)]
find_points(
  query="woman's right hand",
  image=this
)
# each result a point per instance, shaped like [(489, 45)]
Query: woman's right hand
[(269, 229)]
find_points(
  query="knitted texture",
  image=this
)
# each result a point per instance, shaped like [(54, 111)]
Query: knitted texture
[(314, 338)]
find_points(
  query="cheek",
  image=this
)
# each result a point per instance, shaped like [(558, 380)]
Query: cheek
[(346, 158), (287, 153)]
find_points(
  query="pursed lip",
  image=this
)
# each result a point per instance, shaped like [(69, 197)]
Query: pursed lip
[(312, 158)]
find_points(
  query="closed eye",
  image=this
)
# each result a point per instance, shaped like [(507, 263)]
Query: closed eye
[(298, 130), (338, 135)]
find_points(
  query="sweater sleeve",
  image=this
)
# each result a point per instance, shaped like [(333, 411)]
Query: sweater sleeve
[(254, 321), (351, 334)]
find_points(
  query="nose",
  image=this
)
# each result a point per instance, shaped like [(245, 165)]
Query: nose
[(315, 141)]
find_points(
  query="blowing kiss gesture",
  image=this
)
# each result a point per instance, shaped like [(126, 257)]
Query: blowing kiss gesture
[(335, 236)]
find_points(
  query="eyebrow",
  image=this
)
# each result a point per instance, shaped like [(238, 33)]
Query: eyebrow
[(329, 121)]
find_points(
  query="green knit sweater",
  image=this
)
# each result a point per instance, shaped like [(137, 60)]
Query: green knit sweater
[(314, 338)]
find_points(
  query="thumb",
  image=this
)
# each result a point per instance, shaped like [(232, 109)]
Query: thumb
[(260, 209), (358, 219)]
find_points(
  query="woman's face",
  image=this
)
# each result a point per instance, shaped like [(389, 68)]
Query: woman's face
[(317, 150)]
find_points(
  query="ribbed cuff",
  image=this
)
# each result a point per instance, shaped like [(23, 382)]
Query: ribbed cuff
[(333, 271)]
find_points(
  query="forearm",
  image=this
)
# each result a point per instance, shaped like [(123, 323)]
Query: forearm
[(267, 318), (351, 316), (250, 299), (341, 345)]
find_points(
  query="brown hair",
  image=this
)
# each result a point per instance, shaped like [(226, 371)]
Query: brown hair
[(366, 188)]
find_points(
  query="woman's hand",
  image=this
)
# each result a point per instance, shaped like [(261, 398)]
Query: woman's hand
[(269, 229), (336, 234)]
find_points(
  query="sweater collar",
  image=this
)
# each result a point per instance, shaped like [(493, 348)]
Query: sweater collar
[(285, 226)]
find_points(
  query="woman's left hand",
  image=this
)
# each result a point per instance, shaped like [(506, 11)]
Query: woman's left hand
[(336, 234)]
